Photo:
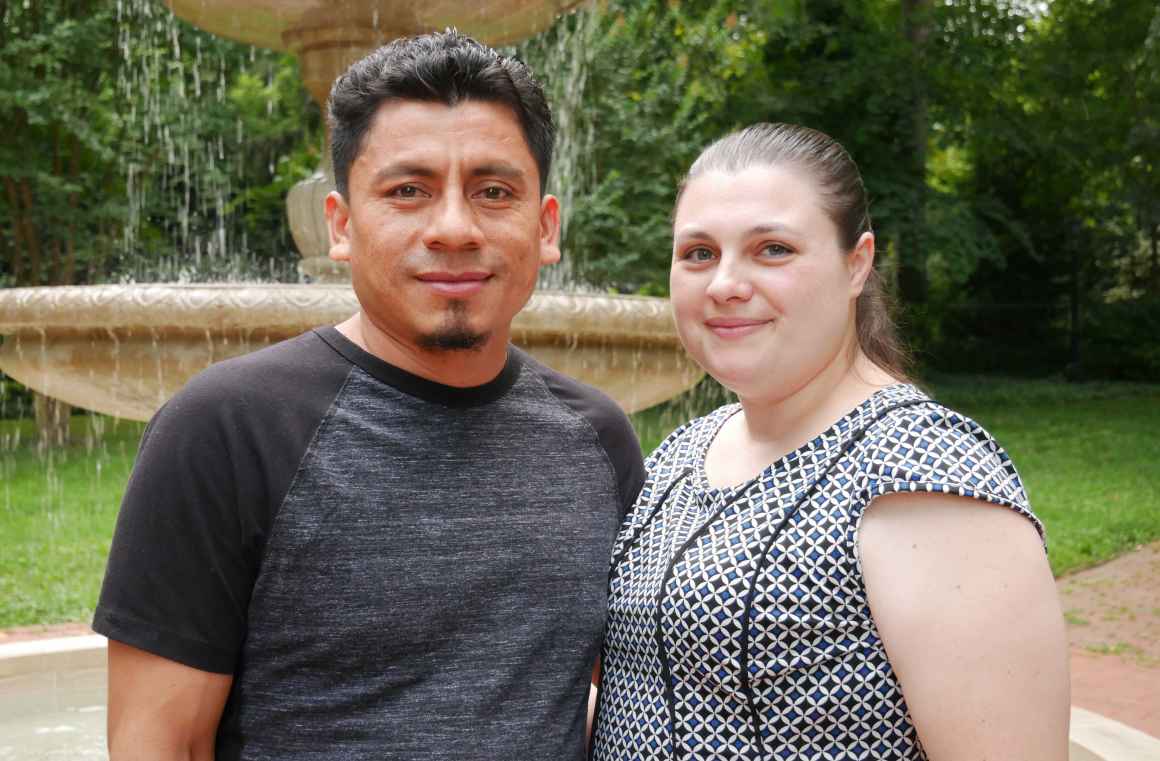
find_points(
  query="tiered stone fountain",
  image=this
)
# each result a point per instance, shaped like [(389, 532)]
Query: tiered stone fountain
[(124, 350)]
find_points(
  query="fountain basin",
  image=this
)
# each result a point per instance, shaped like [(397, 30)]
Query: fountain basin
[(123, 350), (327, 37)]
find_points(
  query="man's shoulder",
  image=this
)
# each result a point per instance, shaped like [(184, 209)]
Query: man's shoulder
[(614, 431), (269, 379), (588, 401)]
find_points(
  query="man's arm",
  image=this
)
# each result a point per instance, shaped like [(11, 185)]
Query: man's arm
[(964, 601), (161, 710)]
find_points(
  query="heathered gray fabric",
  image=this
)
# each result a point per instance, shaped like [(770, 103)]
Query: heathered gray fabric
[(433, 584)]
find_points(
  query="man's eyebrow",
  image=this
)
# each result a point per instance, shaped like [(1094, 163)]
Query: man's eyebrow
[(402, 169), (498, 169)]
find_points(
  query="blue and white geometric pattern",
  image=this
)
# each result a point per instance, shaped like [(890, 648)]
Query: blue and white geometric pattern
[(733, 636)]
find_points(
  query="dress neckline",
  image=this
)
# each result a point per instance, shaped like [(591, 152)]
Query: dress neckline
[(700, 477)]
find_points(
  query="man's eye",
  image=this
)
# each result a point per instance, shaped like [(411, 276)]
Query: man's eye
[(496, 193), (406, 191)]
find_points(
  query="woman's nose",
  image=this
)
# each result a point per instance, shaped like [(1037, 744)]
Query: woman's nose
[(729, 282)]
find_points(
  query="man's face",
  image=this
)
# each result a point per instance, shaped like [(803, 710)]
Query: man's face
[(444, 226)]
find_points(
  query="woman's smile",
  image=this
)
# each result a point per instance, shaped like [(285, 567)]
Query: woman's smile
[(735, 327)]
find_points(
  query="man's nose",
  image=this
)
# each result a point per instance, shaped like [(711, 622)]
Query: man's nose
[(729, 282), (453, 225)]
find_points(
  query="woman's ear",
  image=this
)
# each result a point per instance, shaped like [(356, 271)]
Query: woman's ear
[(860, 263)]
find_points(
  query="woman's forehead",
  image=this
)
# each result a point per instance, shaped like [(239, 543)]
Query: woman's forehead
[(756, 196)]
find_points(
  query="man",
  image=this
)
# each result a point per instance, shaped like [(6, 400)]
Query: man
[(387, 539)]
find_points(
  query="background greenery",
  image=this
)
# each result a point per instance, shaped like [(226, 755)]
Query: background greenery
[(1010, 148)]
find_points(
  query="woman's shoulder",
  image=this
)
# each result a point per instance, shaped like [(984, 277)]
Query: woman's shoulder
[(923, 445)]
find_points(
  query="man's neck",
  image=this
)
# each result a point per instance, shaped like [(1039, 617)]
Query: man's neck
[(462, 368)]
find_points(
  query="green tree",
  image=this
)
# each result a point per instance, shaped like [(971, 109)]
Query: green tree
[(658, 80)]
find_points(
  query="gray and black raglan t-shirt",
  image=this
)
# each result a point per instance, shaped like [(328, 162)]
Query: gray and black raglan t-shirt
[(390, 568)]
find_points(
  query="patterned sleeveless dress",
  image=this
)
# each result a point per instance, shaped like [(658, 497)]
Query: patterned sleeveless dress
[(738, 622)]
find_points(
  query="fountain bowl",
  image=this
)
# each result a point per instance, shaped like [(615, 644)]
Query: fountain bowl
[(123, 350)]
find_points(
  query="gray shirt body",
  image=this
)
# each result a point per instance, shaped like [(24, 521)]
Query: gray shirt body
[(389, 567)]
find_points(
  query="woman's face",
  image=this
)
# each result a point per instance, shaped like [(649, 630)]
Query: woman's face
[(762, 291)]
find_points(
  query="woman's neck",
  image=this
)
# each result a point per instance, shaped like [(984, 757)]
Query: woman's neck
[(780, 425)]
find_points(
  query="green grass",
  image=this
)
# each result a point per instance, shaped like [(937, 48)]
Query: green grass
[(57, 511), (1088, 453)]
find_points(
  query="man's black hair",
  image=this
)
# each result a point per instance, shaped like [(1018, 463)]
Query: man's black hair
[(443, 67)]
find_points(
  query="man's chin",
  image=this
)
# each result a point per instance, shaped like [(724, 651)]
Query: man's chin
[(454, 339)]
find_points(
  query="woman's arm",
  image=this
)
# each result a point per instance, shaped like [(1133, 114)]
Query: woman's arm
[(161, 710), (967, 609)]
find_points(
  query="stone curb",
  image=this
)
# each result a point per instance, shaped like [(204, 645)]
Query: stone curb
[(1093, 737)]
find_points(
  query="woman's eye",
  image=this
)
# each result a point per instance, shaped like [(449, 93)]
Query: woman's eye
[(699, 254), (775, 250)]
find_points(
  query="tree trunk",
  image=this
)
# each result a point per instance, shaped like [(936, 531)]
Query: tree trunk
[(52, 417), (1154, 234), (1074, 370), (912, 281), (19, 245), (31, 238), (69, 272)]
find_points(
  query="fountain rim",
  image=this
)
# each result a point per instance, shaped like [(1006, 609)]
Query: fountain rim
[(277, 29), (280, 307)]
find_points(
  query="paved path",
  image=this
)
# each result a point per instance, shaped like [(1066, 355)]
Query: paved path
[(1113, 614)]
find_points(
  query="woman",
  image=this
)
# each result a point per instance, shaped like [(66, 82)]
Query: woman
[(759, 609)]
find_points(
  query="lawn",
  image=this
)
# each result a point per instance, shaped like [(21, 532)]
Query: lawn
[(1087, 452), (57, 511)]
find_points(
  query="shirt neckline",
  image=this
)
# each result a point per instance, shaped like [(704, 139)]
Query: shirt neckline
[(701, 476), (418, 386)]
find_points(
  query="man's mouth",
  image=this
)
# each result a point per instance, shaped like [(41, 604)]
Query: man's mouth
[(456, 284)]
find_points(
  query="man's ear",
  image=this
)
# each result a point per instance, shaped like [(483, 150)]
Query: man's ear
[(860, 263), (549, 230), (337, 225)]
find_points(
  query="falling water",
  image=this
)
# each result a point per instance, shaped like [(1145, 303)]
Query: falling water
[(184, 166), (561, 59)]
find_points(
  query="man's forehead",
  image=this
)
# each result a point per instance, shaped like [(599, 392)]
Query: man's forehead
[(433, 134), (414, 120)]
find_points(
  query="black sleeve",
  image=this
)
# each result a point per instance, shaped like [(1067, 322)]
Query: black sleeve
[(214, 464), (619, 439), (613, 429)]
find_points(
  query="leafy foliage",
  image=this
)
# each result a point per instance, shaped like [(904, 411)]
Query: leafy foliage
[(139, 147), (1009, 146)]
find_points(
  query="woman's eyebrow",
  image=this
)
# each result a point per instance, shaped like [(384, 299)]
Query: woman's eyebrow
[(770, 228), (693, 233), (774, 228)]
